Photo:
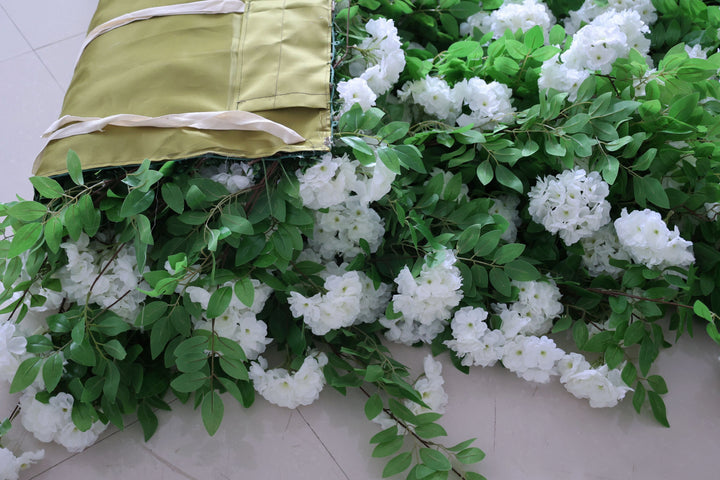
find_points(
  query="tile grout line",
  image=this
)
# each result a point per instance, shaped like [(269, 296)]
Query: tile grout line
[(27, 42), (323, 444)]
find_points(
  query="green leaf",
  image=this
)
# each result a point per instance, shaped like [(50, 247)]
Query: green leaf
[(234, 367), (82, 353), (485, 172), (111, 324), (136, 202), (373, 406), (74, 168), (25, 375), (508, 252), (219, 302), (390, 158), (393, 131), (638, 397), (27, 211), (144, 229), (648, 354), (487, 242), (435, 460), (507, 178), (657, 383), (522, 271), (534, 38), (212, 412), (148, 420), (47, 187), (470, 455), (634, 333), (500, 281), (245, 291), (655, 192), (614, 356), (658, 408), (385, 436), (112, 381), (580, 334), (397, 465), (173, 197), (115, 349), (629, 374), (53, 233), (462, 445), (189, 382), (410, 157), (388, 448), (25, 238), (38, 344), (430, 430), (237, 224), (702, 311)]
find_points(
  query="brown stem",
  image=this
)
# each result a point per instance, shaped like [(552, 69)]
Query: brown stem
[(107, 265), (615, 293)]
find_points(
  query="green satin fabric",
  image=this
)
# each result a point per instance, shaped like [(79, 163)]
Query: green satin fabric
[(273, 60)]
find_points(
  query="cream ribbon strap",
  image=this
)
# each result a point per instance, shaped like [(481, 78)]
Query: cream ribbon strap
[(208, 7), (70, 125)]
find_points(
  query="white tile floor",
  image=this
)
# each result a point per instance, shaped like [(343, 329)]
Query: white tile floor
[(528, 431)]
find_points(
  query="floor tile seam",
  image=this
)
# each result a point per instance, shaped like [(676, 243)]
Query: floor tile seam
[(58, 41), (323, 444), (57, 82), (171, 466), (19, 30)]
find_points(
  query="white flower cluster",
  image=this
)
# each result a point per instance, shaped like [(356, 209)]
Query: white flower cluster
[(12, 350), (602, 386), (345, 187), (117, 287), (532, 358), (334, 180), (239, 322), (571, 204), (10, 465), (281, 388), (595, 46), (646, 237), (235, 177), (599, 249), (513, 15), (425, 302), (537, 306), (506, 207), (430, 388), (338, 307), (377, 71), (340, 230), (52, 422), (488, 103), (473, 342), (592, 9)]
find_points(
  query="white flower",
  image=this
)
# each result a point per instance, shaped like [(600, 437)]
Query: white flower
[(646, 237), (239, 177), (602, 387), (425, 301), (435, 96), (356, 90), (339, 307), (430, 388), (340, 230), (472, 341), (599, 249), (571, 204), (238, 322), (532, 358), (10, 465), (513, 16), (281, 388)]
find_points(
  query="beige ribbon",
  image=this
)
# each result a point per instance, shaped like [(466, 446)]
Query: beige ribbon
[(70, 125), (208, 7)]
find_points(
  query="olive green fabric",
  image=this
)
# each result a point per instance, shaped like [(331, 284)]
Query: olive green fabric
[(273, 60)]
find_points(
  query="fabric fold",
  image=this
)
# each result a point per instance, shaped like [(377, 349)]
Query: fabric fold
[(70, 125), (206, 7)]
